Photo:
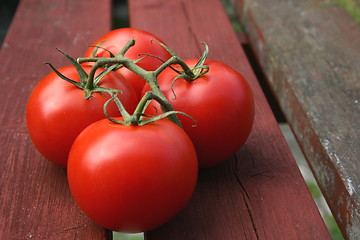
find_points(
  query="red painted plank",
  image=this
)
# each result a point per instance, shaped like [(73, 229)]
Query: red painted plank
[(35, 201), (257, 194), (312, 63)]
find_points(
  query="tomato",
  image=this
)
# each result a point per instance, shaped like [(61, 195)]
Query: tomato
[(132, 178), (115, 40), (221, 101), (57, 111)]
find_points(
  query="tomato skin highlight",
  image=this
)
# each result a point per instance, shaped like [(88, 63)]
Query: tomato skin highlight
[(132, 178), (222, 103), (57, 111), (116, 39)]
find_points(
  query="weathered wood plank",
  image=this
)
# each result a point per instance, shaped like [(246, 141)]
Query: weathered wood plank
[(35, 202), (257, 194), (310, 53)]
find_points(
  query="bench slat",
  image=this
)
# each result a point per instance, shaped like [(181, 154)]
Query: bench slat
[(257, 194), (35, 201), (310, 54)]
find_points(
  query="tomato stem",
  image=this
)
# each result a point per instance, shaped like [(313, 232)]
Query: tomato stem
[(88, 84), (149, 76), (187, 73), (136, 119)]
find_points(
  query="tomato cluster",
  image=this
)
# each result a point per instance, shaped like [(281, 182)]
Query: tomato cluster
[(134, 172)]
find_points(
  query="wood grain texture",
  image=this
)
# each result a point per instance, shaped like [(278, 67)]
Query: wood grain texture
[(257, 194), (310, 54), (35, 201)]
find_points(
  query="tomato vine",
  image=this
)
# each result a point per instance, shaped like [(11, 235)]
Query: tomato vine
[(118, 60)]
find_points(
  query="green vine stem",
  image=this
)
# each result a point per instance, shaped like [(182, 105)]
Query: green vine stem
[(89, 84), (137, 117), (150, 76)]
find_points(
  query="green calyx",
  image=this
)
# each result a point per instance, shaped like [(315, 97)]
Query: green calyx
[(186, 73), (89, 84), (139, 118), (200, 68)]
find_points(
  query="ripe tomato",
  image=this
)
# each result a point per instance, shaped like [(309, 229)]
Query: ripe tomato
[(221, 101), (116, 39), (132, 178), (57, 111)]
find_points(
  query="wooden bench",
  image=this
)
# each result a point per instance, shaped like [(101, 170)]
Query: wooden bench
[(310, 55), (259, 193)]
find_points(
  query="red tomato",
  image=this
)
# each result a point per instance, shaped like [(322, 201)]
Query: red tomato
[(132, 178), (221, 101), (57, 111), (116, 39)]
